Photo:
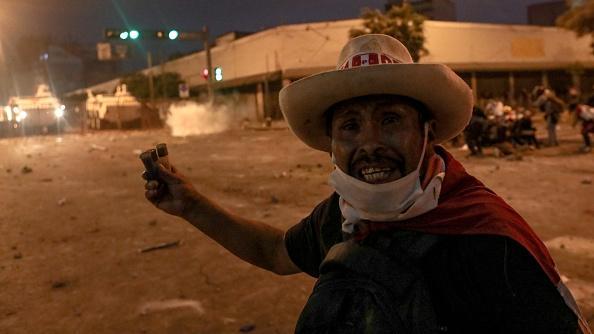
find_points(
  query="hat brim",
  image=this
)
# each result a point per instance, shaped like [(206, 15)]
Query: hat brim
[(443, 92)]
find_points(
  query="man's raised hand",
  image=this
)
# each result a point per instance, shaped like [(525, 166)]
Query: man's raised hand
[(171, 192)]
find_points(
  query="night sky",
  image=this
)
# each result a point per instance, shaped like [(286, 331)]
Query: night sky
[(86, 19)]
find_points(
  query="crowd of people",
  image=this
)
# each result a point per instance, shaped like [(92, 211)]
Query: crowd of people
[(494, 124)]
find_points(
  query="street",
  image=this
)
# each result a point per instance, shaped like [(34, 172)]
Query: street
[(74, 221)]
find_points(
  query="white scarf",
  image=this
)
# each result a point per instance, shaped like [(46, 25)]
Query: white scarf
[(394, 201)]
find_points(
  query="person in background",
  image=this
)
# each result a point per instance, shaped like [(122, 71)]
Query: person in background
[(474, 132), (552, 107), (584, 114)]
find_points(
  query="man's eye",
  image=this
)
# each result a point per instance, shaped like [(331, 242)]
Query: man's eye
[(391, 119), (349, 126)]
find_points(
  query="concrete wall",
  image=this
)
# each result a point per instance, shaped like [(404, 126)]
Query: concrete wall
[(466, 46), (303, 49)]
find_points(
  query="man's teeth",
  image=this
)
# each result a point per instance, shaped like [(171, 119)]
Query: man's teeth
[(375, 174)]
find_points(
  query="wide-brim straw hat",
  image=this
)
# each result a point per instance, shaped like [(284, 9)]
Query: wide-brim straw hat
[(370, 65)]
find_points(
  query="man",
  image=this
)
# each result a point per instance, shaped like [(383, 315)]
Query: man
[(584, 114), (409, 242), (552, 106), (475, 131), (524, 131)]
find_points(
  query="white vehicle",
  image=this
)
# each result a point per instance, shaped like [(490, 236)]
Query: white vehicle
[(38, 113), (117, 109)]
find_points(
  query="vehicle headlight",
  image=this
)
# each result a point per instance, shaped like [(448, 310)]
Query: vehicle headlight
[(58, 112), (21, 116)]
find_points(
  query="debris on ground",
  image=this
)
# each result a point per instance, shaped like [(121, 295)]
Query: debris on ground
[(161, 246), (95, 147), (18, 256), (169, 304), (152, 222), (247, 328), (48, 179), (59, 284), (62, 201), (26, 170), (587, 181), (514, 157), (274, 199)]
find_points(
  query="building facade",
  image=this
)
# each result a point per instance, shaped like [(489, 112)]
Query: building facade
[(504, 61)]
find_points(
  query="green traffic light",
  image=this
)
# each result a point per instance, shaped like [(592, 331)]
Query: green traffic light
[(218, 72), (173, 34), (134, 34), (124, 35)]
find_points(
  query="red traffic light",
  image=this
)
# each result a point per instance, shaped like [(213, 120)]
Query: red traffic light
[(205, 73)]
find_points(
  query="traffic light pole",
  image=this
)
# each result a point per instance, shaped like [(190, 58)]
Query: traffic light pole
[(149, 60), (208, 63), (125, 34)]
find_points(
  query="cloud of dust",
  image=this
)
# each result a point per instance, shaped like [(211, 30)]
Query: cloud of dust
[(191, 118)]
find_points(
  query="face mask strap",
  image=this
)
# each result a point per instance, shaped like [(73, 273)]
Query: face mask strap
[(425, 139)]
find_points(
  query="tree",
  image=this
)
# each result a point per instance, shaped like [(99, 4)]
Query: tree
[(138, 85), (401, 22), (579, 18), (166, 85)]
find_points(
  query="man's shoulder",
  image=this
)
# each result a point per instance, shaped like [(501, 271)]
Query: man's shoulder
[(326, 209)]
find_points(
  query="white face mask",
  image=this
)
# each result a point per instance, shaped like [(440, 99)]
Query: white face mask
[(392, 201)]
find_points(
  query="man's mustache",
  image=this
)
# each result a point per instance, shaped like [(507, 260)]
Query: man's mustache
[(397, 162)]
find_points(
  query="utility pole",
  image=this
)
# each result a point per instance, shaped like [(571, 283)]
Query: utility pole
[(149, 60), (205, 39)]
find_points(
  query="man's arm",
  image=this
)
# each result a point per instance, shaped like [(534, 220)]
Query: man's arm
[(257, 243)]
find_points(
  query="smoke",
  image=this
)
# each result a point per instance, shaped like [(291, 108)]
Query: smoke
[(191, 118)]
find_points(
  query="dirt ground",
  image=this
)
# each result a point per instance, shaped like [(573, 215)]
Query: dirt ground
[(72, 225)]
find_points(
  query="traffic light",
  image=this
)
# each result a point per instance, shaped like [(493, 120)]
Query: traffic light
[(122, 34), (173, 34), (134, 34), (112, 33), (205, 73), (170, 34), (218, 73)]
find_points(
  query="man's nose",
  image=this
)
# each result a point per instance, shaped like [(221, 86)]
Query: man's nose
[(371, 138)]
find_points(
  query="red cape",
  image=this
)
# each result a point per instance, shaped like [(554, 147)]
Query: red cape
[(466, 206)]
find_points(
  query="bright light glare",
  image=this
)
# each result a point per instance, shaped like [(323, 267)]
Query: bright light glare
[(173, 34), (218, 74), (134, 34), (21, 116), (8, 112), (124, 35), (59, 112)]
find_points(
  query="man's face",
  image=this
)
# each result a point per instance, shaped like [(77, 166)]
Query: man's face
[(376, 139)]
